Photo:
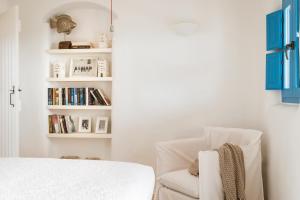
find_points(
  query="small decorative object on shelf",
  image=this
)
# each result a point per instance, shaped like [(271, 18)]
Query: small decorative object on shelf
[(65, 45), (63, 24), (103, 41), (59, 69), (103, 68), (83, 67), (93, 158), (85, 124), (70, 157), (101, 125), (81, 45)]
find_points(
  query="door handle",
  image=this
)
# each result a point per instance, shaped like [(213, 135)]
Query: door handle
[(11, 92), (288, 47)]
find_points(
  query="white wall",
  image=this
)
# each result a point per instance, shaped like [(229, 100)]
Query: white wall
[(169, 86), (165, 86), (282, 140), (3, 5)]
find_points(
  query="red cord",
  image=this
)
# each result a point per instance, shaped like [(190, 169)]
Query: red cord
[(111, 14)]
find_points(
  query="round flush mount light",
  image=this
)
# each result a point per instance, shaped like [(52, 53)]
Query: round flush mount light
[(185, 28)]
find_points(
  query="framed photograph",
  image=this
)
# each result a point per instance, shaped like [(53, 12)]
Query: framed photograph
[(103, 68), (85, 124), (101, 125), (59, 69), (83, 67)]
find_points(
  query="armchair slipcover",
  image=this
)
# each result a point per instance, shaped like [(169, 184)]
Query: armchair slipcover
[(174, 157)]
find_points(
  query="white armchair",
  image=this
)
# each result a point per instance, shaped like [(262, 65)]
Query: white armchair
[(174, 157)]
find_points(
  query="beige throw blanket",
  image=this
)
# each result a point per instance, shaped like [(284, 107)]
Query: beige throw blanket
[(232, 172)]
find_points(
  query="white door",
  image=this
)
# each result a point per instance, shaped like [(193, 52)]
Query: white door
[(9, 83)]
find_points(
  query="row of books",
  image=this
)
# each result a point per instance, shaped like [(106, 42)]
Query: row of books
[(77, 96), (61, 124)]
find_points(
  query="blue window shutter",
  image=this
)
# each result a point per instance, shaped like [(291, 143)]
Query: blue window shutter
[(275, 30), (274, 65)]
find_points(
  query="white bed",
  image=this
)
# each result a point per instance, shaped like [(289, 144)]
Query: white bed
[(55, 179)]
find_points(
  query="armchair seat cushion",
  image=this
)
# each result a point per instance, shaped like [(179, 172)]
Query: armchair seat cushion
[(181, 181)]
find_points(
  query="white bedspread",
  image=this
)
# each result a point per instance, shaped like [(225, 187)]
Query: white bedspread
[(55, 179)]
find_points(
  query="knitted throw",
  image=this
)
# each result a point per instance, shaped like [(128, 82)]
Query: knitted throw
[(232, 171)]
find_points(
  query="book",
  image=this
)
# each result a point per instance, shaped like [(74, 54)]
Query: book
[(50, 124), (67, 96), (83, 96), (91, 98), (56, 125), (98, 97), (63, 96), (75, 96), (53, 96), (78, 96), (70, 124), (50, 93), (59, 96), (56, 96), (72, 96), (64, 125), (61, 124), (104, 97)]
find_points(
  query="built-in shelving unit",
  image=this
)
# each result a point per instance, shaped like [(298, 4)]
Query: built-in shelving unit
[(80, 79), (79, 107), (68, 82), (79, 51), (81, 136)]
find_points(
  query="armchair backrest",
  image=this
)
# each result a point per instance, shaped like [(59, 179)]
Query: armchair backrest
[(250, 142), (242, 137)]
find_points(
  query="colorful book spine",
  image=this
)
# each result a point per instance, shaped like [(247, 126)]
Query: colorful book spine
[(63, 96), (75, 96), (72, 96), (66, 96), (81, 96), (50, 93), (56, 96)]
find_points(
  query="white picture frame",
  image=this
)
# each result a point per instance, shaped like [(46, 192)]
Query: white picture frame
[(58, 69), (83, 67), (101, 125), (85, 125), (103, 68)]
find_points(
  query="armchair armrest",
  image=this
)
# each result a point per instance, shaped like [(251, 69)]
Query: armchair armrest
[(210, 183), (178, 154)]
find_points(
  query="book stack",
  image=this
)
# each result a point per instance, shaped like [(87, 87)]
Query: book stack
[(97, 97), (61, 124), (66, 96), (77, 97)]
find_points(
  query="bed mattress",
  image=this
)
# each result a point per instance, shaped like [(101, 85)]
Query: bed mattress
[(55, 179)]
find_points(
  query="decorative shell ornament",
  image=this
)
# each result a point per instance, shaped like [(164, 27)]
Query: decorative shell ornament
[(63, 23)]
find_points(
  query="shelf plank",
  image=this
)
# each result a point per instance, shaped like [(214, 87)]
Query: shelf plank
[(81, 79), (79, 107), (81, 136), (79, 51)]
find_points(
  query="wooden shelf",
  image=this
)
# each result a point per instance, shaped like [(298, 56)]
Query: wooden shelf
[(81, 136), (79, 51), (79, 107), (81, 79)]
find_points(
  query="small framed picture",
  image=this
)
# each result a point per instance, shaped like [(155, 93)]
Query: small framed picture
[(103, 68), (101, 125), (85, 124), (59, 69), (83, 67)]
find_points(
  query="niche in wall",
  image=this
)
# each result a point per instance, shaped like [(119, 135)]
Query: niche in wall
[(92, 19)]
